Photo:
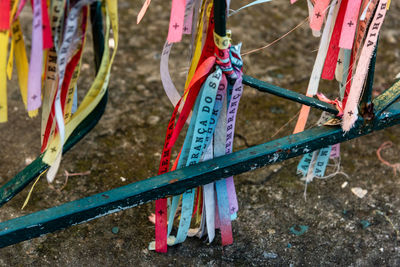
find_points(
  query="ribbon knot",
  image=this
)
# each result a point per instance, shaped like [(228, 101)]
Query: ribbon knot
[(337, 103), (229, 60)]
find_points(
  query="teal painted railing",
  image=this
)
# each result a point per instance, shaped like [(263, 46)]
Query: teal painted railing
[(385, 113)]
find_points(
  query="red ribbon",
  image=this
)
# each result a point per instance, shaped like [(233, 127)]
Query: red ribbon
[(336, 103)]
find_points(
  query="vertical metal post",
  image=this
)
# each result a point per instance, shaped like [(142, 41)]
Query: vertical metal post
[(366, 106), (220, 17), (96, 20)]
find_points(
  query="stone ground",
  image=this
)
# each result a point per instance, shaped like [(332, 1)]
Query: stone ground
[(125, 147)]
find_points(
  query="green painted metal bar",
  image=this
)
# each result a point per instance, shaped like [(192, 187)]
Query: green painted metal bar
[(220, 17), (386, 99), (366, 106), (23, 178), (288, 94), (96, 19), (176, 182), (387, 118)]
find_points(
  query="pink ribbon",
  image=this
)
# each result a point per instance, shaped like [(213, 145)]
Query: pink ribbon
[(176, 21), (336, 103)]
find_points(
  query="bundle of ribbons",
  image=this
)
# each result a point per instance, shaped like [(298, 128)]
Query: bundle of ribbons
[(349, 31), (48, 78), (209, 105)]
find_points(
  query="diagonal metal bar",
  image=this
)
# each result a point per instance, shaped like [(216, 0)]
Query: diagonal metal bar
[(288, 94), (366, 106), (386, 99), (176, 182), (35, 168)]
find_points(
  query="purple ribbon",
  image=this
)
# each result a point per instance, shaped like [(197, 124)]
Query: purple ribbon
[(35, 66)]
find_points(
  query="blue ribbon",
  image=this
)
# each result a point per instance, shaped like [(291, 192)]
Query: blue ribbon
[(304, 164), (196, 147), (322, 161)]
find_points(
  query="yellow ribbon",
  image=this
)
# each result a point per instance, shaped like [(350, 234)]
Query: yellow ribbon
[(98, 88), (3, 75), (199, 38)]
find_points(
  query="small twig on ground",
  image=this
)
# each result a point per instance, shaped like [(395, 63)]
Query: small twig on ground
[(68, 174), (244, 139), (396, 166)]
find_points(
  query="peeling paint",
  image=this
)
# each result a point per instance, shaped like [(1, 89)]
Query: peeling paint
[(275, 157)]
